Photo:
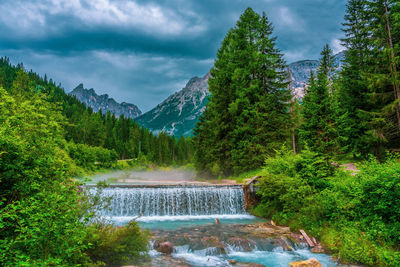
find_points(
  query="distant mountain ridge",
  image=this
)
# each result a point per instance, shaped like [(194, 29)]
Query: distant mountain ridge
[(104, 103), (178, 114)]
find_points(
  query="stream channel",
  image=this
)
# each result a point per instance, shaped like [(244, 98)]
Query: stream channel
[(178, 209)]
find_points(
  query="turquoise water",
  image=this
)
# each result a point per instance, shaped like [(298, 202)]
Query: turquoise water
[(176, 224), (276, 258)]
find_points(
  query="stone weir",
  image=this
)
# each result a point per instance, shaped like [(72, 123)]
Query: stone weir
[(168, 200)]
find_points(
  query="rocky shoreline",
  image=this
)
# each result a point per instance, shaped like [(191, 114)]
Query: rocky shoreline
[(218, 239)]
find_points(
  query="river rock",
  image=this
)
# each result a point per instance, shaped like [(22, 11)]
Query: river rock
[(211, 241), (317, 249), (243, 244), (166, 260), (308, 263), (164, 247), (251, 264)]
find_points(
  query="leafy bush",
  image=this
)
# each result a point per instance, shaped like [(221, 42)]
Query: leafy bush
[(117, 245), (291, 182)]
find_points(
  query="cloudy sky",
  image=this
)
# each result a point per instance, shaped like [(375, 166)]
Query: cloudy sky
[(142, 51)]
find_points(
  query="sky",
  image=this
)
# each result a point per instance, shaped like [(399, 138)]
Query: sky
[(141, 51)]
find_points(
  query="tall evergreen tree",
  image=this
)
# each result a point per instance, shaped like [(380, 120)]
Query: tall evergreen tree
[(353, 93), (248, 111), (382, 74), (318, 130)]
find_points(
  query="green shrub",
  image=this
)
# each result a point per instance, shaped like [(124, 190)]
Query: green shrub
[(117, 245)]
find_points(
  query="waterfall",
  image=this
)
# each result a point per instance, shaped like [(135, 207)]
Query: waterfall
[(174, 201)]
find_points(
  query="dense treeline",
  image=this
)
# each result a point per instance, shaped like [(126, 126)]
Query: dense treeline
[(351, 114), (83, 126)]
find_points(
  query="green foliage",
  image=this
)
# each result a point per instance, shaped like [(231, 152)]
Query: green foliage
[(89, 157), (318, 130), (368, 115), (356, 216), (290, 182), (116, 246), (39, 211), (247, 114), (44, 228)]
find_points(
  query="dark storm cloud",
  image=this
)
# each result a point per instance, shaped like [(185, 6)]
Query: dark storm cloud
[(142, 51)]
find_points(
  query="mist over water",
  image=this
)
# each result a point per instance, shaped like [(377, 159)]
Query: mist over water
[(153, 177)]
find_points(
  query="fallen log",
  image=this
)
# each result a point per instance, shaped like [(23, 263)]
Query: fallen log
[(310, 243)]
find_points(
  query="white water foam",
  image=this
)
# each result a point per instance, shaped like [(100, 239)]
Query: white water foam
[(124, 219), (194, 259)]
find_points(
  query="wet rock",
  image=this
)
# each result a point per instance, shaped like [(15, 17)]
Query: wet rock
[(308, 263), (241, 244), (233, 262), (318, 249), (283, 244), (296, 238), (210, 241), (283, 230), (164, 247), (249, 265), (213, 242), (164, 261)]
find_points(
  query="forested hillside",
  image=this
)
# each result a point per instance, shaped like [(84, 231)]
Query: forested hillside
[(87, 131)]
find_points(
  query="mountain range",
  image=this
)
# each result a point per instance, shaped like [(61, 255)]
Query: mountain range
[(178, 114), (104, 103)]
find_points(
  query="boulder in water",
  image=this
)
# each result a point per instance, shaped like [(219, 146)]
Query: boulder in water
[(308, 263), (241, 244), (213, 241), (164, 247)]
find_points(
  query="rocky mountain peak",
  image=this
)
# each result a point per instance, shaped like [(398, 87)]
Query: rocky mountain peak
[(178, 114), (104, 103)]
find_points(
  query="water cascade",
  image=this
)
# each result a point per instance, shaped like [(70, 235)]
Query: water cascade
[(178, 201)]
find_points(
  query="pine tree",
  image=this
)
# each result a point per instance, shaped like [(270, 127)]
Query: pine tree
[(248, 111), (382, 74), (318, 129), (352, 97)]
